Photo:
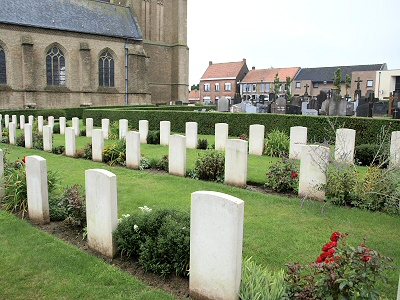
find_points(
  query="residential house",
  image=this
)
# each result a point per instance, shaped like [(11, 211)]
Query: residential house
[(221, 80), (314, 80), (66, 53), (194, 96), (259, 83), (388, 81)]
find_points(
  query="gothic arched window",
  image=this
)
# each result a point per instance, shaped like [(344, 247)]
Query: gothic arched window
[(106, 69), (3, 74), (55, 67)]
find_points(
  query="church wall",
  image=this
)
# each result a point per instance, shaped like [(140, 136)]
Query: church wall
[(26, 50)]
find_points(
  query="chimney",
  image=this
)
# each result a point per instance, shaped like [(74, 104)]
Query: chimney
[(210, 63), (253, 68), (244, 60)]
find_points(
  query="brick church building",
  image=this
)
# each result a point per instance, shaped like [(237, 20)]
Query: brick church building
[(66, 53)]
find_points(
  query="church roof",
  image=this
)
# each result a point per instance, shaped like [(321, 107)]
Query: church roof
[(326, 73), (92, 17), (268, 75)]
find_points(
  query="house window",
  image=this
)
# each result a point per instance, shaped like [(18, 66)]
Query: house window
[(206, 87), (3, 74), (370, 83), (227, 86), (106, 69), (315, 85), (298, 85), (55, 67), (262, 88), (254, 87), (217, 87)]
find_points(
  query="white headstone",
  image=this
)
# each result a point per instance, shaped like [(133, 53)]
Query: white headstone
[(21, 122), (298, 138), (304, 106), (165, 132), (123, 128), (97, 145), (40, 123), (89, 127), (37, 190), (12, 133), (6, 121), (28, 136), (47, 138), (101, 210), (221, 135), (105, 126), (50, 121), (236, 162), (177, 155), (14, 119), (395, 149), (75, 125), (309, 112), (191, 135), (344, 145), (216, 240), (133, 149), (143, 130), (63, 124), (313, 164), (256, 139), (70, 142), (30, 119)]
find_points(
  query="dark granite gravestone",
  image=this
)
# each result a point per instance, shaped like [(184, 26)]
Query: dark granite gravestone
[(364, 110), (262, 108), (337, 107), (278, 109), (312, 103), (396, 113), (350, 109), (295, 101), (293, 110), (272, 97), (380, 109), (178, 102)]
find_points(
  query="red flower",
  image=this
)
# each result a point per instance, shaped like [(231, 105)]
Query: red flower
[(364, 256), (335, 236), (23, 160), (329, 245), (294, 175)]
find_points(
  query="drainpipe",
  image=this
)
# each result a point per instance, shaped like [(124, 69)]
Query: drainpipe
[(126, 73)]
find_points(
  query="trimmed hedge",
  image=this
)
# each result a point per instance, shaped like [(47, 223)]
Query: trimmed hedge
[(319, 128)]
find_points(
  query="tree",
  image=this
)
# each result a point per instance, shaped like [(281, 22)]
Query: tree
[(288, 94), (277, 85), (348, 84), (337, 79), (195, 87)]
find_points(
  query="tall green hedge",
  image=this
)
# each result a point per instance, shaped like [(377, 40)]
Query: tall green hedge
[(320, 129)]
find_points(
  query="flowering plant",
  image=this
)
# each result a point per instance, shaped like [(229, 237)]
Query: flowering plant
[(341, 271)]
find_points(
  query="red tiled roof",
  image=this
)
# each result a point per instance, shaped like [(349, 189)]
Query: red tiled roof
[(223, 70), (194, 95), (268, 75)]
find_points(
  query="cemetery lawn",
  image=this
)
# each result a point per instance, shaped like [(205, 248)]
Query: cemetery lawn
[(36, 265), (277, 229)]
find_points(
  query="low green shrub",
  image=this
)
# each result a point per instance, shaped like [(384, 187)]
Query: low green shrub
[(115, 153), (20, 140), (210, 166), (340, 272), (159, 238), (283, 176), (58, 150), (58, 212), (113, 133), (56, 128), (202, 144), (37, 141), (371, 154), (163, 163), (153, 137), (144, 163), (277, 144), (259, 283), (82, 132)]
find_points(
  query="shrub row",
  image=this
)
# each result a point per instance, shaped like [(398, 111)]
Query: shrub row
[(320, 129)]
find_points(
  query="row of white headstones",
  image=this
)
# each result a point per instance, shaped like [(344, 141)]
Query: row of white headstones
[(216, 234)]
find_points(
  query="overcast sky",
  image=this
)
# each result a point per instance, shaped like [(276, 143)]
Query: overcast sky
[(293, 33)]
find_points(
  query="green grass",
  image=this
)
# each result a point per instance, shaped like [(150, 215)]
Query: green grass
[(36, 265), (277, 230)]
